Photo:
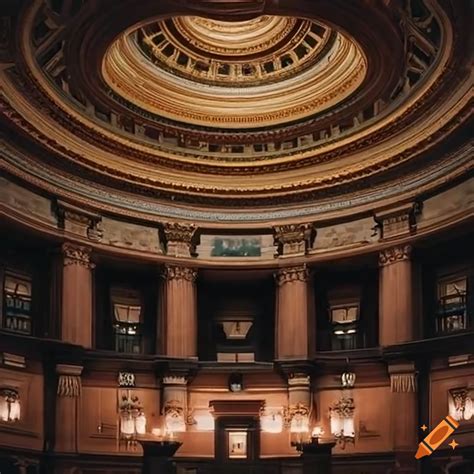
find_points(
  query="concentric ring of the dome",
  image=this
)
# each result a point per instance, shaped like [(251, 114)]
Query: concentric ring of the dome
[(179, 83)]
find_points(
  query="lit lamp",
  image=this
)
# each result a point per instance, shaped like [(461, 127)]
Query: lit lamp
[(342, 413), (10, 408), (132, 418)]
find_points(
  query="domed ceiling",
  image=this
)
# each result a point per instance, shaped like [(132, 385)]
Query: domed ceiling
[(235, 111), (263, 71)]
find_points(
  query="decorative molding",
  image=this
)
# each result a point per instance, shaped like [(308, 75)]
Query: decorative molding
[(294, 239), (174, 380), (13, 360), (79, 221), (173, 272), (399, 221), (126, 379), (69, 382), (403, 378), (292, 274), (77, 255), (179, 238), (394, 255)]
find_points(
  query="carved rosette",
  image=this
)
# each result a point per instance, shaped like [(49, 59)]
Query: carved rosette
[(294, 239), (179, 239), (69, 381), (291, 274), (173, 272), (77, 255), (394, 255)]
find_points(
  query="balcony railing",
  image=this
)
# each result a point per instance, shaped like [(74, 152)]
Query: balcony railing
[(17, 323)]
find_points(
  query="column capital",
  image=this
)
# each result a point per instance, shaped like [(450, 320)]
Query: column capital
[(77, 255), (403, 378), (291, 274), (294, 239), (69, 382), (179, 238), (174, 272), (394, 255)]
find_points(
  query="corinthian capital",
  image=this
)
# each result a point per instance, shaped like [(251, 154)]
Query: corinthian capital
[(394, 255), (288, 275), (179, 238), (77, 255), (173, 272)]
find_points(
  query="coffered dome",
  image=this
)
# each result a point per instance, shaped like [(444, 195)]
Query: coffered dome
[(264, 71), (237, 111)]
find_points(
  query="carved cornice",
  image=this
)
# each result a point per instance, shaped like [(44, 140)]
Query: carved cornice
[(394, 255), (292, 274), (77, 255), (173, 272)]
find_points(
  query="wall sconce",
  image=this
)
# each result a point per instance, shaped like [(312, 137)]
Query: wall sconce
[(132, 417), (10, 408), (342, 413), (461, 404)]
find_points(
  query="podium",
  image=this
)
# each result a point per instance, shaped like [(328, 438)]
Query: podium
[(158, 456)]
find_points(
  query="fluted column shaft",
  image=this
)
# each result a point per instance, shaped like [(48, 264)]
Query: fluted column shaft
[(180, 312), (67, 408), (292, 313), (396, 318), (76, 321)]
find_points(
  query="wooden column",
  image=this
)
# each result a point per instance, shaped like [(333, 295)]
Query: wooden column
[(404, 419), (76, 321), (67, 408), (396, 318), (292, 313), (180, 321)]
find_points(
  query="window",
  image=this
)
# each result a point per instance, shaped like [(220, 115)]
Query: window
[(344, 319), (17, 303), (451, 311), (127, 317)]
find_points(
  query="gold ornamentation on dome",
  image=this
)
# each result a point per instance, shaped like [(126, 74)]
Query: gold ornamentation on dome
[(234, 73)]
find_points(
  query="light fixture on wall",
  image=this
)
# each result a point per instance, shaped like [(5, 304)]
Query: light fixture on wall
[(461, 403), (10, 408), (132, 417), (342, 413)]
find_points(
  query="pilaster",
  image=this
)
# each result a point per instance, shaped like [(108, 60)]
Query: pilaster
[(76, 320), (292, 313)]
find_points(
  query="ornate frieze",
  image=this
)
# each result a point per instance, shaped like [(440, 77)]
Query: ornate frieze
[(179, 238), (173, 272), (77, 255), (399, 221), (294, 239), (69, 380), (291, 274), (79, 221), (395, 254)]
